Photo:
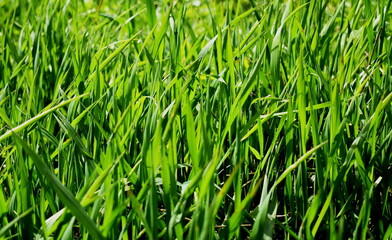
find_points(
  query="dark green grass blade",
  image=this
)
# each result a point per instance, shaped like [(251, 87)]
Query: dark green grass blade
[(65, 196)]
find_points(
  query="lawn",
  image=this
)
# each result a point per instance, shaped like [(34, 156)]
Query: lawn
[(237, 119)]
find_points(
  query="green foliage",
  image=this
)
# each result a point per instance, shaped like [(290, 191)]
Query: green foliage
[(195, 119)]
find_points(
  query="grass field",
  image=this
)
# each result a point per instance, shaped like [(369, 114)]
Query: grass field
[(195, 119)]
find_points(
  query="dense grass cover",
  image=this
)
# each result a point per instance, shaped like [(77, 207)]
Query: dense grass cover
[(195, 119)]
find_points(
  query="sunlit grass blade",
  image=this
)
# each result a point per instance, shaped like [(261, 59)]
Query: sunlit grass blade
[(38, 117)]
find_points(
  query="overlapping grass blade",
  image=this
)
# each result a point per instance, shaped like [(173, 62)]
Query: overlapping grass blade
[(63, 193)]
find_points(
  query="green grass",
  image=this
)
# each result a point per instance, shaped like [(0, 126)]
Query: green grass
[(195, 119)]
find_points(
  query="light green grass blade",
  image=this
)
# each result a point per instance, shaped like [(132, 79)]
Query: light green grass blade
[(296, 164), (39, 116)]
